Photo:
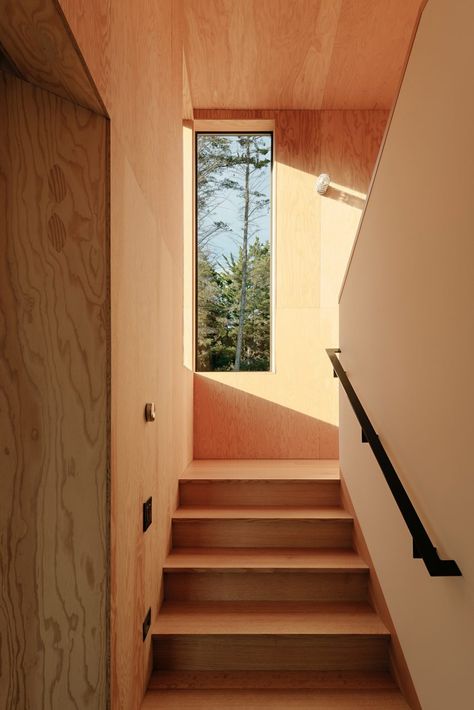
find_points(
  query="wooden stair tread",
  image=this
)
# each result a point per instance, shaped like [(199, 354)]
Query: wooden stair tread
[(261, 469), (272, 680), (268, 618), (260, 512), (265, 559), (274, 700)]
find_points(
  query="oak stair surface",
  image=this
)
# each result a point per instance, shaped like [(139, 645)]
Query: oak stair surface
[(265, 599)]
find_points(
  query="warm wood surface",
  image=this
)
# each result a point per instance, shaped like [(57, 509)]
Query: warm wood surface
[(261, 527), (266, 585), (260, 513), (280, 700), (287, 652), (272, 612), (283, 469), (134, 50), (271, 680), (268, 618), (263, 532), (263, 574), (252, 559), (251, 483), (293, 412), (54, 375), (305, 55), (264, 492), (38, 42)]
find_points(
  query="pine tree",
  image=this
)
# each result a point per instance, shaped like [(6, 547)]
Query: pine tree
[(233, 293)]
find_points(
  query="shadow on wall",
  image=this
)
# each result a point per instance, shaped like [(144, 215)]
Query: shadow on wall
[(346, 196), (229, 423), (344, 144)]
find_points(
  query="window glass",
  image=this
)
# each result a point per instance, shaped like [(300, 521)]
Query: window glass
[(233, 210)]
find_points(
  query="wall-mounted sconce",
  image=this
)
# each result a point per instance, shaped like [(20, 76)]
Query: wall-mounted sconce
[(322, 183)]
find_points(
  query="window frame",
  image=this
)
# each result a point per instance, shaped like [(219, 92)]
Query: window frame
[(212, 127)]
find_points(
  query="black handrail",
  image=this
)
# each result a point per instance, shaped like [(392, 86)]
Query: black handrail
[(422, 545)]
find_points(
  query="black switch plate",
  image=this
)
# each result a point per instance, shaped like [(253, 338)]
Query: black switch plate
[(146, 624), (147, 514)]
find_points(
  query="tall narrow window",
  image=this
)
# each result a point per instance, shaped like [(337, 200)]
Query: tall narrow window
[(233, 204)]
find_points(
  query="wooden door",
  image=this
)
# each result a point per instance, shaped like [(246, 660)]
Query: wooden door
[(54, 401)]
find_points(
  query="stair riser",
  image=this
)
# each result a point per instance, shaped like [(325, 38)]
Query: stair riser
[(241, 492), (247, 652), (275, 699), (263, 533), (266, 586)]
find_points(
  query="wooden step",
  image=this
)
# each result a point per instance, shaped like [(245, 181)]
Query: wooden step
[(273, 483), (272, 680), (202, 574), (274, 700), (269, 636), (302, 469), (263, 526)]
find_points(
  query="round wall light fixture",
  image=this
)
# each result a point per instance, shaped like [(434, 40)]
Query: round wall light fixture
[(322, 183)]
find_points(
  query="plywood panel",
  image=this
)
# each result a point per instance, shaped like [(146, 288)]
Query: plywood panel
[(134, 50), (90, 24), (250, 35), (271, 680), (37, 41), (369, 53), (279, 700), (307, 54), (134, 382), (267, 652), (265, 585), (53, 401), (293, 411), (187, 99)]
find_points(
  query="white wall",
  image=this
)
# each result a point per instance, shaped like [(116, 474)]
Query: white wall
[(407, 339)]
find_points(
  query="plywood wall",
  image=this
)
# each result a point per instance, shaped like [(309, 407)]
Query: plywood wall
[(134, 52), (54, 330), (293, 411)]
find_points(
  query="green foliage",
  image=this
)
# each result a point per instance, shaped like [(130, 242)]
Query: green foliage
[(219, 309), (233, 292)]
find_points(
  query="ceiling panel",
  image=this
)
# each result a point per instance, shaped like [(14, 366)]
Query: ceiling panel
[(297, 54)]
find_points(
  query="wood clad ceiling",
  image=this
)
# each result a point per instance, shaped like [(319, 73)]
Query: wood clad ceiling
[(297, 54)]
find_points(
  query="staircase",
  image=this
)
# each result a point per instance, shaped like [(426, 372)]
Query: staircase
[(265, 599)]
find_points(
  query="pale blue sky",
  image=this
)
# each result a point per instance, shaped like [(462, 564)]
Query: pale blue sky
[(229, 207)]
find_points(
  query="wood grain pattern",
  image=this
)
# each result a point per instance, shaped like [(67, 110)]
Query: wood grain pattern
[(230, 609), (134, 50), (91, 26), (259, 493), (305, 55), (38, 42), (279, 559), (53, 401), (266, 585), (267, 617), (272, 680), (267, 652), (293, 411), (280, 700), (258, 532), (261, 469)]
